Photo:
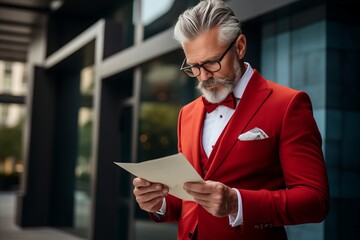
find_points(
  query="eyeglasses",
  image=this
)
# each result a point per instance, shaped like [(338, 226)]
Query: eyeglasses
[(210, 66)]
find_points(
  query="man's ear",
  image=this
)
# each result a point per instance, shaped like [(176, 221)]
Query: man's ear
[(241, 46)]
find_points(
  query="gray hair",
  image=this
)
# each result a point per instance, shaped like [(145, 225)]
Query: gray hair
[(203, 17)]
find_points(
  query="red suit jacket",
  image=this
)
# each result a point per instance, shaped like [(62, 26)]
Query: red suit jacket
[(282, 179)]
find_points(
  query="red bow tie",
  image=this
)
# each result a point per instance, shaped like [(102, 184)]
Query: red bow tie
[(229, 101)]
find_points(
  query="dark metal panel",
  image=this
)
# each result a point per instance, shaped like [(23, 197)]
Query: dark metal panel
[(7, 98), (33, 204)]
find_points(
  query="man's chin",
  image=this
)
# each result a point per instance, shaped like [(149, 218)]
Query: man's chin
[(214, 96), (215, 93)]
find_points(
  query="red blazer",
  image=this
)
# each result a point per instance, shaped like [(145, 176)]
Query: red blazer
[(282, 179)]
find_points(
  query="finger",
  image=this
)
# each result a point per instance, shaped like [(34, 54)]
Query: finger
[(152, 205), (150, 196), (139, 182), (207, 187), (149, 201), (153, 187), (202, 199)]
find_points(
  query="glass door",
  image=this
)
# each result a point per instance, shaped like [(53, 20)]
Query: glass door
[(82, 194)]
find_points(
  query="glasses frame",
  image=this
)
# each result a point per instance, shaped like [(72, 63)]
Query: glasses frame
[(183, 68)]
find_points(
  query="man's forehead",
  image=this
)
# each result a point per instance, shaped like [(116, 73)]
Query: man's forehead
[(203, 48)]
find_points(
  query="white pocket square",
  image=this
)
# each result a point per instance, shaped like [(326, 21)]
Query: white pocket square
[(253, 134)]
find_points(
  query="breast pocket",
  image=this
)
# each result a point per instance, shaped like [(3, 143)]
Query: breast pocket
[(261, 143), (254, 154)]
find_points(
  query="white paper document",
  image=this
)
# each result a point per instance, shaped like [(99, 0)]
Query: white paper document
[(172, 171)]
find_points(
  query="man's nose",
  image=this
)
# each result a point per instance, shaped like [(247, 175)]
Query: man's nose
[(204, 74)]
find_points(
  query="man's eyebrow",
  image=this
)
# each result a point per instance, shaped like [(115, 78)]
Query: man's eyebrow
[(202, 62)]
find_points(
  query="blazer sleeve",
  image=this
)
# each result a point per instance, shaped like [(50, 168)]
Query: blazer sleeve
[(306, 197)]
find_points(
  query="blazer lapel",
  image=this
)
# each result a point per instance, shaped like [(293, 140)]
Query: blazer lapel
[(253, 98), (198, 119)]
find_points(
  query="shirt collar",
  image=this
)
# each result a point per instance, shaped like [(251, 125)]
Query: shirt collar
[(244, 80)]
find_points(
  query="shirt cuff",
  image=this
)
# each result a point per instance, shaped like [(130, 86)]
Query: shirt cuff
[(162, 210), (238, 220)]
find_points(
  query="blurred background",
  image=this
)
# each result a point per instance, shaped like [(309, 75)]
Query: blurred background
[(84, 83)]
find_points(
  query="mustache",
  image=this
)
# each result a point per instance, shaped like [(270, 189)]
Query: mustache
[(213, 81)]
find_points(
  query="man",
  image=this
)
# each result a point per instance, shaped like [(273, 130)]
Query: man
[(260, 154)]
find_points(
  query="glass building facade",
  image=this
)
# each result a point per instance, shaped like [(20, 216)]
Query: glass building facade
[(12, 116), (109, 89)]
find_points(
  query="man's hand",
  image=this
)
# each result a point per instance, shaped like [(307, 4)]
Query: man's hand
[(149, 195), (216, 198)]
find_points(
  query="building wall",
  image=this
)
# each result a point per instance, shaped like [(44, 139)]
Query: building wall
[(321, 58), (342, 129), (296, 57)]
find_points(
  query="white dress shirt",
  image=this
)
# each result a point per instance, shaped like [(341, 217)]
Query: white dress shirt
[(214, 124)]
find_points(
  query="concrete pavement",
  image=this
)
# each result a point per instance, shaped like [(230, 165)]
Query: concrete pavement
[(145, 230), (9, 231)]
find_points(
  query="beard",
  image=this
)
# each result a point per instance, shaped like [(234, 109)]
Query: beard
[(214, 94)]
